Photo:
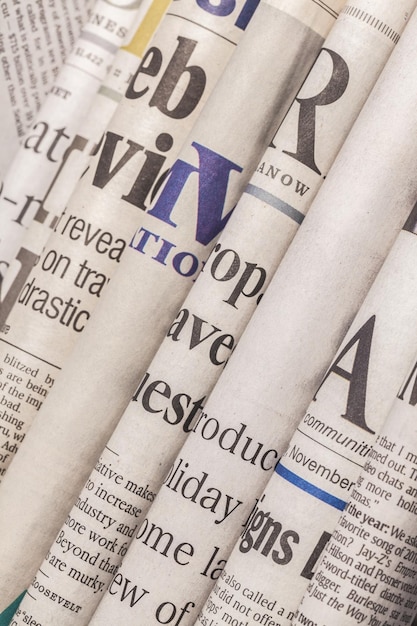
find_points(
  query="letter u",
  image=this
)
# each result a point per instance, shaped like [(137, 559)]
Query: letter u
[(249, 440)]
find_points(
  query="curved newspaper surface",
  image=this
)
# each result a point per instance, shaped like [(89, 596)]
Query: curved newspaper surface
[(37, 161), (75, 158), (208, 326), (211, 488), (186, 59), (34, 42), (368, 569)]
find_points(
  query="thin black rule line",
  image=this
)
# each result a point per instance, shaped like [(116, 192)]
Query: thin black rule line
[(181, 17), (112, 451), (30, 596), (30, 354), (82, 69), (326, 7), (46, 575), (330, 449)]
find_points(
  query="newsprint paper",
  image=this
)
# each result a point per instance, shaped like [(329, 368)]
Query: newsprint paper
[(195, 351), (75, 158), (35, 39), (132, 447), (59, 295), (367, 573), (39, 157), (274, 559), (224, 150), (212, 486)]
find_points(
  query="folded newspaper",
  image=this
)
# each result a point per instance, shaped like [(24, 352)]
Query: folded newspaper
[(203, 330)]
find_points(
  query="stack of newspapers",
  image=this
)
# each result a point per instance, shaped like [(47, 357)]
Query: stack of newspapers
[(208, 312)]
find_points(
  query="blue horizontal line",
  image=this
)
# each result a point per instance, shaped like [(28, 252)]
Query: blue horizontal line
[(314, 491)]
